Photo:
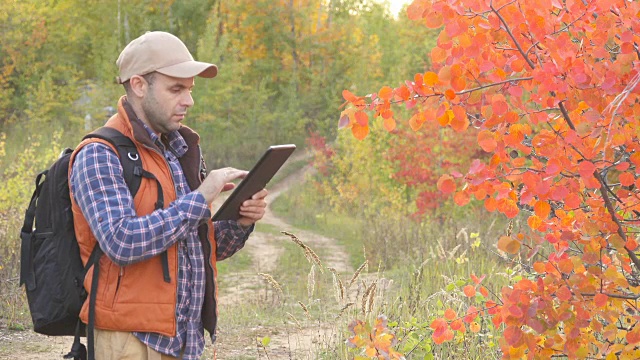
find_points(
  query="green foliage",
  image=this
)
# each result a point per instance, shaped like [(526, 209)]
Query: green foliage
[(16, 187)]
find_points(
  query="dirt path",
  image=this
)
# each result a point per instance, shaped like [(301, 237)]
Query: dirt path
[(264, 250), (291, 342)]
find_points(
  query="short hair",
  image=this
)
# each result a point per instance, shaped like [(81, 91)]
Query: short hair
[(149, 78)]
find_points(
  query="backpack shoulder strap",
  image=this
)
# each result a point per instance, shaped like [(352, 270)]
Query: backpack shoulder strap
[(127, 152), (133, 171)]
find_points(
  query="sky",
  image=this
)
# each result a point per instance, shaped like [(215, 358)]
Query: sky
[(396, 5)]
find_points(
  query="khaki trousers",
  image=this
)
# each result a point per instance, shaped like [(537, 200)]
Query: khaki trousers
[(119, 345)]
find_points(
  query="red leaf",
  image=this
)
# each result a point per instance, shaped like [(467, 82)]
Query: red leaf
[(513, 335), (563, 293), (586, 169), (499, 105), (600, 300), (446, 184), (626, 179)]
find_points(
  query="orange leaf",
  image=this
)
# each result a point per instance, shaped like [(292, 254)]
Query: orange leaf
[(416, 9), (416, 121), (458, 83), (461, 198), (403, 92), (449, 314), (460, 121), (430, 78), (348, 95), (446, 117), (542, 209), (509, 245), (490, 204), (450, 94), (362, 118), (469, 291), (487, 141), (534, 222), (360, 132), (517, 65), (433, 19), (509, 208), (600, 300), (389, 124), (474, 327), (438, 54), (446, 184), (385, 93), (566, 266), (539, 267)]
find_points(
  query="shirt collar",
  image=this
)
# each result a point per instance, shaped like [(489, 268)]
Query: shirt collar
[(177, 145)]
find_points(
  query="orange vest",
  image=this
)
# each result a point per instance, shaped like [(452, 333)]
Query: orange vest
[(136, 297)]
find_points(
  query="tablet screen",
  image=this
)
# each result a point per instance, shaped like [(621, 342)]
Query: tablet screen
[(256, 180)]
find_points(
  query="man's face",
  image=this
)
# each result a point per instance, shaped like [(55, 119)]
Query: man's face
[(166, 101)]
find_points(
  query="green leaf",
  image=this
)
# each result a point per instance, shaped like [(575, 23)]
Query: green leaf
[(265, 341)]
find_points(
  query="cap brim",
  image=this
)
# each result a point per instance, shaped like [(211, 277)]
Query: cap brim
[(190, 69)]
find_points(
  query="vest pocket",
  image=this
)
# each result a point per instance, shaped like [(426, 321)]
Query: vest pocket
[(111, 282)]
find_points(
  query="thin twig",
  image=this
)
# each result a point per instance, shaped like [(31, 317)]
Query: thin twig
[(506, 28)]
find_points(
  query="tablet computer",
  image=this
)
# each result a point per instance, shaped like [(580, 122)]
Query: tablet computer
[(256, 180)]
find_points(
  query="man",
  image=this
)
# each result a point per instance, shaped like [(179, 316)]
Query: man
[(156, 288)]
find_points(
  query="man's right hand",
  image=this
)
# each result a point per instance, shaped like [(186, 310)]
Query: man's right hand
[(218, 181)]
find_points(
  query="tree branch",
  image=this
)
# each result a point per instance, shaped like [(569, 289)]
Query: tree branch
[(506, 28), (494, 84), (617, 296), (604, 190), (565, 114)]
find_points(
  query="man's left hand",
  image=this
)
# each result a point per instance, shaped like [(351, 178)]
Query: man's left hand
[(253, 209)]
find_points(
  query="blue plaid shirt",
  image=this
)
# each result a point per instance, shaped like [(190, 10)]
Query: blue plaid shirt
[(100, 190)]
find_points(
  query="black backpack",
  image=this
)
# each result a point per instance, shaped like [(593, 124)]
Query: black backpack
[(51, 267)]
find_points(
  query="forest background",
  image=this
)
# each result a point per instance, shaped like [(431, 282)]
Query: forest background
[(283, 66)]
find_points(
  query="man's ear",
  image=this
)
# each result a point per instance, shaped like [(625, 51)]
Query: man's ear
[(139, 85)]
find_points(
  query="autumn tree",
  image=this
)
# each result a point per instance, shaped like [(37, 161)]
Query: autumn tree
[(552, 87)]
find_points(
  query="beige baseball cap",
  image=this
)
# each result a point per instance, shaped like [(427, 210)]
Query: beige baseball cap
[(162, 52)]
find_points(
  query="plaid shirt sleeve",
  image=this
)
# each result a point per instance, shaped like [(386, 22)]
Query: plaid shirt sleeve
[(230, 237), (98, 186)]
